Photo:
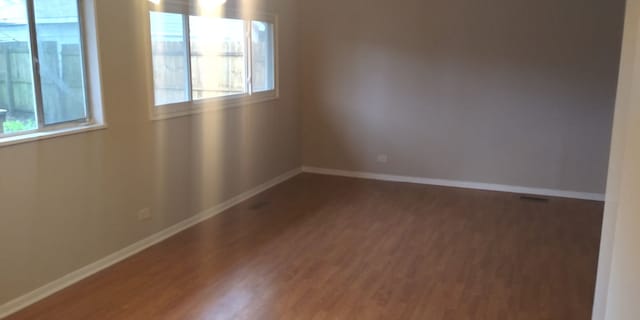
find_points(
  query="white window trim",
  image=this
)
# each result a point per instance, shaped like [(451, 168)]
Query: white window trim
[(186, 108), (95, 120), (44, 134)]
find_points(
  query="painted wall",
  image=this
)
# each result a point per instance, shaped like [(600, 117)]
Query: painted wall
[(499, 91), (618, 286), (69, 201)]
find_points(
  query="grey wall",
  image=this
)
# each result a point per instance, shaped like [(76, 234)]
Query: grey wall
[(498, 91), (69, 201)]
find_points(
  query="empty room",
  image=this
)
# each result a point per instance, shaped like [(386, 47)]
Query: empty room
[(334, 159)]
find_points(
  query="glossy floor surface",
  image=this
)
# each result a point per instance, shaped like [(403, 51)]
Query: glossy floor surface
[(320, 247)]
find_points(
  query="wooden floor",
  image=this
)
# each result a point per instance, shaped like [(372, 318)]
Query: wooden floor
[(319, 247)]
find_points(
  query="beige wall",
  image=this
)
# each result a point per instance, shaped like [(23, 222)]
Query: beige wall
[(618, 288), (500, 91), (69, 201)]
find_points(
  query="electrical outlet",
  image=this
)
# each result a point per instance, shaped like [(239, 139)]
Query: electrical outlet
[(382, 158), (144, 214)]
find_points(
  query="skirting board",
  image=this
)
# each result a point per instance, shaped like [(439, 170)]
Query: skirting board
[(458, 184), (84, 272)]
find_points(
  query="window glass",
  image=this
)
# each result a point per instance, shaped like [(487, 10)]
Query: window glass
[(17, 95), (262, 68), (169, 54), (210, 57), (61, 61), (218, 57)]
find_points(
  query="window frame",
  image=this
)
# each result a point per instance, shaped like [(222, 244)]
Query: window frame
[(195, 106), (94, 119)]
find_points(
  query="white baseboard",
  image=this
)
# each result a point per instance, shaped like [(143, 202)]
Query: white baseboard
[(84, 272), (459, 184)]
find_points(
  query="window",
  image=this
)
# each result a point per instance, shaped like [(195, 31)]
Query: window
[(42, 73), (170, 58), (262, 56), (218, 57), (197, 59)]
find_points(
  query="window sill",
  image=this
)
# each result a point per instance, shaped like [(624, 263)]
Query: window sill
[(43, 135), (202, 106)]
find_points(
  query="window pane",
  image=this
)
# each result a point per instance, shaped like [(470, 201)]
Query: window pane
[(169, 50), (61, 65), (16, 69), (218, 57), (263, 58)]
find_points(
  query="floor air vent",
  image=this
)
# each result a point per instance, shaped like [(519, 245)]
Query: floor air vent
[(534, 198), (259, 205)]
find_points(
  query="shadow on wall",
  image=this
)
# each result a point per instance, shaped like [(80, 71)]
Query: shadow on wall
[(517, 93)]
